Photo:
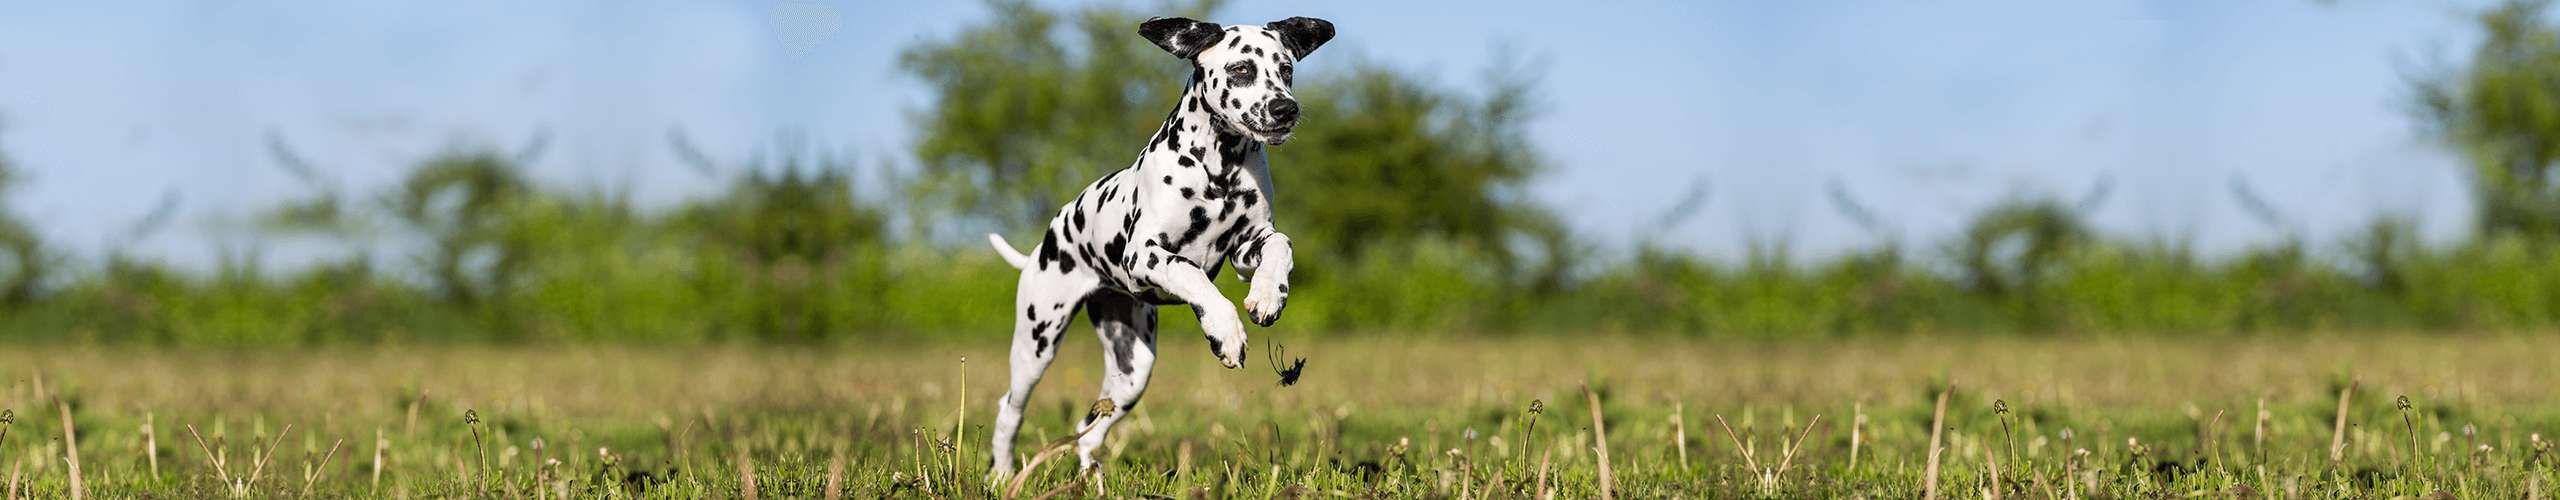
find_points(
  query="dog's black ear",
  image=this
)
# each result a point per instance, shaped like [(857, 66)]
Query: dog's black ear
[(1302, 34), (1182, 37)]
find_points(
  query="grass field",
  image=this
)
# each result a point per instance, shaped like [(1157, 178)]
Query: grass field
[(1397, 418)]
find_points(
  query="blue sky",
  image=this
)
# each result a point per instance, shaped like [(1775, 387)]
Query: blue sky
[(1928, 111)]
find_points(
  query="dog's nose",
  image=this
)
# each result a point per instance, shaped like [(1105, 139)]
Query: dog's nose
[(1284, 111)]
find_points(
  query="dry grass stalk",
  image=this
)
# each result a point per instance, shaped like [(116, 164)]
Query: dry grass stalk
[(1061, 489), (313, 477), (1857, 431), (409, 426), (379, 444), (2071, 475), (221, 470), (2338, 431), (2258, 433), (263, 457), (1600, 435), (541, 477), (1937, 426), (1182, 462), (1769, 478), (1543, 492), (746, 474), (1680, 433), (2037, 477), (151, 442), (71, 448), (1992, 491), (1101, 408), (13, 476), (2213, 437), (835, 476), (1748, 461), (1769, 482), (960, 428)]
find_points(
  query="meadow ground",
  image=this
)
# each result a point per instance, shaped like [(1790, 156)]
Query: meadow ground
[(1399, 417)]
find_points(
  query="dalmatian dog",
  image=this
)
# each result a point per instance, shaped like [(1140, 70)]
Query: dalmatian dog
[(1155, 233)]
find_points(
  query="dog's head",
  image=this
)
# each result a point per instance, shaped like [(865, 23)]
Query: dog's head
[(1244, 71)]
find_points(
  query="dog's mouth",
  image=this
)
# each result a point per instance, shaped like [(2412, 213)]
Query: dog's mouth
[(1273, 135)]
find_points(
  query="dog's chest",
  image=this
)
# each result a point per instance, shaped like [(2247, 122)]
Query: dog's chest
[(1202, 216)]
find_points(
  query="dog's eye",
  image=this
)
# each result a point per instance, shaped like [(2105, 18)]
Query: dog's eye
[(1239, 69)]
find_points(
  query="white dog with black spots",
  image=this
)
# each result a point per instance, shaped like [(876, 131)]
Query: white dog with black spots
[(1155, 233)]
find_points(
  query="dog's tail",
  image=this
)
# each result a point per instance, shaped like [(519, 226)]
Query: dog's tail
[(1018, 260)]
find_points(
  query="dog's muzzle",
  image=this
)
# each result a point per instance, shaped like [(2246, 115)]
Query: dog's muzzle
[(1282, 117), (1285, 112)]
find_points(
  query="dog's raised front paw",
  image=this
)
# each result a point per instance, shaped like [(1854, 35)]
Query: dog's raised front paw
[(1265, 303), (1226, 338)]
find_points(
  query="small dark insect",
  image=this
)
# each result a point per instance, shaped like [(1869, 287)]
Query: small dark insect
[(1288, 376)]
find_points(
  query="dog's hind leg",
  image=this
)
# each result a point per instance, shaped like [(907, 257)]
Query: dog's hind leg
[(1128, 330), (1045, 300)]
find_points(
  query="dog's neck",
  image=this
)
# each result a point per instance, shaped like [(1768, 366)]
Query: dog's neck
[(1192, 129)]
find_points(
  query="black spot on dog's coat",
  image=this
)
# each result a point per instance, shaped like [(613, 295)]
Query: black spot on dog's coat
[(1199, 224), (1048, 248), (1116, 247), (1256, 251), (1040, 342)]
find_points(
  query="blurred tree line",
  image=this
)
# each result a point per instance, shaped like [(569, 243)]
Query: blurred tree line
[(1404, 195)]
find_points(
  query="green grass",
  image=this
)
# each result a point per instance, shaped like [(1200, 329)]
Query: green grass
[(1385, 417)]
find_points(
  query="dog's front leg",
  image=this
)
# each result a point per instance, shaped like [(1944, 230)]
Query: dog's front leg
[(1185, 280), (1270, 259)]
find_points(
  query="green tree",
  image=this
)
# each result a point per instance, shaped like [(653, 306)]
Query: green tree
[(460, 201), (23, 267), (800, 244), (2502, 113), (1388, 160), (1024, 116)]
